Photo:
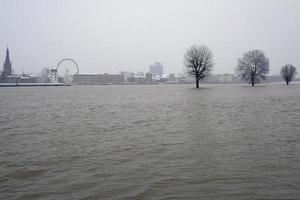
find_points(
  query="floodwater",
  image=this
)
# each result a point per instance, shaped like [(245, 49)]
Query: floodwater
[(150, 142)]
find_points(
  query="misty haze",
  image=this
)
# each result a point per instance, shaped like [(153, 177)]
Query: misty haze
[(136, 99)]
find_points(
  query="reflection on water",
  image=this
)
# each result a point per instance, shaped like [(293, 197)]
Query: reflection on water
[(150, 142)]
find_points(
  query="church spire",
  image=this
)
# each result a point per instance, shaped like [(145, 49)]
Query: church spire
[(7, 70), (7, 60)]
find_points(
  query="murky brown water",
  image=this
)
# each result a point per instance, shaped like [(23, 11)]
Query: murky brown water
[(150, 142)]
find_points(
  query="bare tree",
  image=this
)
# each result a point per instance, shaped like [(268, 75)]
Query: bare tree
[(288, 72), (198, 61), (253, 66)]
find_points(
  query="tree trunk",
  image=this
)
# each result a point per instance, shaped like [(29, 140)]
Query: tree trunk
[(252, 80), (287, 82), (197, 83), (197, 80)]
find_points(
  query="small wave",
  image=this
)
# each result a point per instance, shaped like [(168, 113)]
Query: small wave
[(22, 174)]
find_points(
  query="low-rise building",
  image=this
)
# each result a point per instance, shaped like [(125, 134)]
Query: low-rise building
[(97, 79)]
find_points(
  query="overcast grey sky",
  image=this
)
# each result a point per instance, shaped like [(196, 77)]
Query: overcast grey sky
[(115, 35)]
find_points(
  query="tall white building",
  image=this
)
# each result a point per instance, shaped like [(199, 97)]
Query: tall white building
[(157, 69)]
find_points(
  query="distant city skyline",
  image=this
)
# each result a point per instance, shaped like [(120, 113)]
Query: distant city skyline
[(114, 36)]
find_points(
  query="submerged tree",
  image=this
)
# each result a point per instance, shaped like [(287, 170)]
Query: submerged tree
[(288, 72), (253, 66), (198, 61)]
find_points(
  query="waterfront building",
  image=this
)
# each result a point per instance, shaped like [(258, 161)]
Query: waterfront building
[(139, 74), (53, 75), (225, 78), (156, 69), (136, 79), (273, 78), (149, 77), (98, 79), (125, 74), (171, 77)]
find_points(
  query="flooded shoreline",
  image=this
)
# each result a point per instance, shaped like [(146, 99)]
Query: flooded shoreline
[(150, 142)]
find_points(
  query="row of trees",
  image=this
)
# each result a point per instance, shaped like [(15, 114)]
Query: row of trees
[(252, 67)]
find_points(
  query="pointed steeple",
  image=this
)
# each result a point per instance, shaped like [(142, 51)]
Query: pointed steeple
[(7, 70), (7, 60)]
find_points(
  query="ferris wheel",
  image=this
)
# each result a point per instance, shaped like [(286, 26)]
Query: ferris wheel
[(67, 77)]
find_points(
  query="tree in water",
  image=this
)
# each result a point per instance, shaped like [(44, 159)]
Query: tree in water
[(288, 72), (253, 66), (198, 61)]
